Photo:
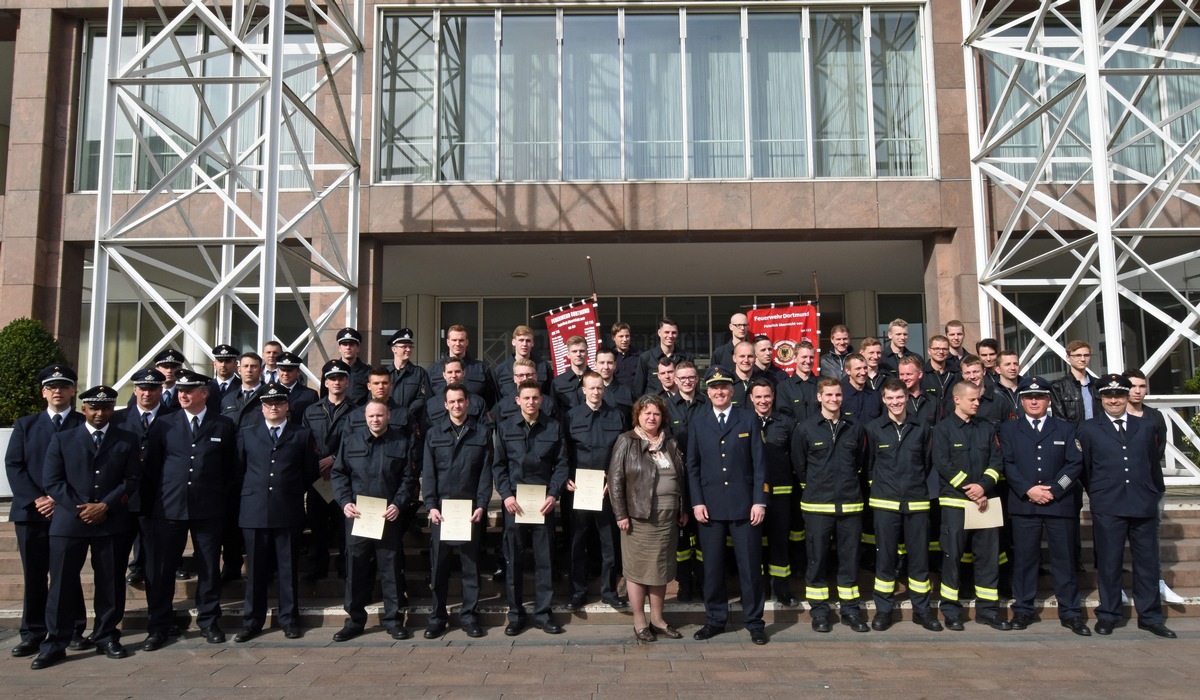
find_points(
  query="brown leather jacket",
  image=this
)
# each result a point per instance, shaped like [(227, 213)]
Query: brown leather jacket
[(631, 475)]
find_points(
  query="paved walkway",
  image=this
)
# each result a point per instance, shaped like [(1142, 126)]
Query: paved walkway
[(591, 661)]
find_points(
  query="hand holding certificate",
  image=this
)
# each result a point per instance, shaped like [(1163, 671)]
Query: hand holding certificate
[(992, 516), (456, 519), (370, 520), (324, 489), (531, 498), (589, 489)]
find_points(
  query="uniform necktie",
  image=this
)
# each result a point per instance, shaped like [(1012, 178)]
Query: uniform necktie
[(166, 399), (97, 437), (1037, 428), (1120, 427), (195, 424), (57, 422), (275, 434), (247, 394), (721, 420), (145, 420), (224, 386)]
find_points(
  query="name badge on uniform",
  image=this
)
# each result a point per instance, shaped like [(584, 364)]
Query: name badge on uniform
[(818, 444), (958, 444), (884, 447), (743, 435), (1060, 442), (215, 439)]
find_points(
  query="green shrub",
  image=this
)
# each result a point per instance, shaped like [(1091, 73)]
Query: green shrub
[(25, 348)]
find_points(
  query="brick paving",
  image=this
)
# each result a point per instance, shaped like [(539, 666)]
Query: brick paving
[(593, 661)]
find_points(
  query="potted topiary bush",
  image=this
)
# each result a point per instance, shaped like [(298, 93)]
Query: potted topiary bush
[(25, 348)]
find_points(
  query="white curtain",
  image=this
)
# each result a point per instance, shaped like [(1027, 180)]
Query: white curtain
[(653, 98), (898, 96), (467, 148), (716, 129), (528, 98), (778, 138), (406, 115), (591, 98), (839, 95)]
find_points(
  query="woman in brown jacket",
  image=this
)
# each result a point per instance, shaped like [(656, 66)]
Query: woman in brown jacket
[(646, 486)]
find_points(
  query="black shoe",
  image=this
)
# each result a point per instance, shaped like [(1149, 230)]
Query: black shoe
[(1021, 622), (214, 634), (24, 649), (246, 635), (230, 575), (135, 577), (996, 623), (856, 623), (182, 575), (1158, 629), (81, 643), (759, 636), (47, 660), (154, 641), (1077, 625), (616, 602), (292, 631), (346, 633), (575, 603), (514, 628), (399, 633), (549, 627), (707, 632), (1104, 627), (435, 630), (112, 650), (684, 594), (821, 624), (881, 622), (929, 622), (787, 600), (474, 630), (955, 624), (174, 631)]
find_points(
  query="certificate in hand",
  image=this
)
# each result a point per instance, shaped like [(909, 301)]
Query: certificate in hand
[(370, 522), (589, 489), (531, 498), (324, 489), (992, 517), (456, 519)]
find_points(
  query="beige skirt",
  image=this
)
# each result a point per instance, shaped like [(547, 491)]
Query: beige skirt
[(648, 548)]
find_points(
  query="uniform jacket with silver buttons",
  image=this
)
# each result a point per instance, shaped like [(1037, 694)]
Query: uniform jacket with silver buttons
[(76, 472), (1046, 457), (186, 476), (276, 475), (727, 470), (1122, 475)]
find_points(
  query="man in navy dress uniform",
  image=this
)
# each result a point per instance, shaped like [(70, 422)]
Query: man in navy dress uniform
[(726, 474), (190, 466), (225, 378), (137, 418), (90, 471), (300, 397), (1042, 466), (279, 457), (1124, 483), (32, 506)]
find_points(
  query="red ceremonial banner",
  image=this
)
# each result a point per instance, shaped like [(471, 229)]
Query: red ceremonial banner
[(786, 326), (561, 324)]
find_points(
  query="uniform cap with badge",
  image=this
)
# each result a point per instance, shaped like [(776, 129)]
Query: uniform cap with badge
[(191, 380), (1033, 386), (1113, 383), (99, 395), (349, 335), (404, 335), (170, 356), (57, 374), (225, 352), (717, 376), (289, 360), (148, 377), (334, 368), (274, 393)]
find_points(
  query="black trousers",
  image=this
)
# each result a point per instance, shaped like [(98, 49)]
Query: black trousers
[(468, 557), (1112, 531), (33, 542), (326, 522), (747, 549), (232, 537), (284, 542), (543, 554), (67, 555), (778, 530), (892, 527), (583, 523), (387, 554), (985, 545), (1062, 535), (166, 541), (821, 531)]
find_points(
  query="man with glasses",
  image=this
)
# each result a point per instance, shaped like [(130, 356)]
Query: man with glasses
[(1072, 398), (681, 407), (938, 376), (739, 330), (411, 386)]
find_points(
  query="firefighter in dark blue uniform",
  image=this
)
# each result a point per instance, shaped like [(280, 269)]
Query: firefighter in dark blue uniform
[(327, 419), (726, 478), (459, 452), (477, 376), (225, 378), (681, 406), (349, 343), (411, 387), (1124, 482), (827, 450), (147, 407), (1042, 467), (898, 467), (300, 397), (522, 342), (965, 454), (647, 381), (776, 430)]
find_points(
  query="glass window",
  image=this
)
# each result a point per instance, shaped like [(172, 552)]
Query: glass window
[(458, 313), (406, 113), (1183, 94), (96, 49), (467, 122), (911, 308), (591, 89), (653, 98), (839, 95), (691, 315), (500, 317), (529, 98), (778, 137), (717, 145), (898, 93), (642, 314), (1141, 155)]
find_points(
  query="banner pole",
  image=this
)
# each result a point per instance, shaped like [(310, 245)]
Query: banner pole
[(816, 290), (591, 277)]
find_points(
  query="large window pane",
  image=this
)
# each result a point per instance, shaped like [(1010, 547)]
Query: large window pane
[(839, 95), (898, 92), (407, 120), (715, 97), (653, 98), (1183, 94), (1022, 149), (777, 125), (1142, 155), (178, 106), (591, 98), (528, 98), (298, 134), (467, 148), (93, 100)]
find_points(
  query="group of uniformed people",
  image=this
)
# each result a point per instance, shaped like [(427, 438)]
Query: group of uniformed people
[(871, 450)]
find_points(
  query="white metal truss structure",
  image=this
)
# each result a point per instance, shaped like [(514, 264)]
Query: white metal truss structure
[(1084, 140), (252, 205)]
